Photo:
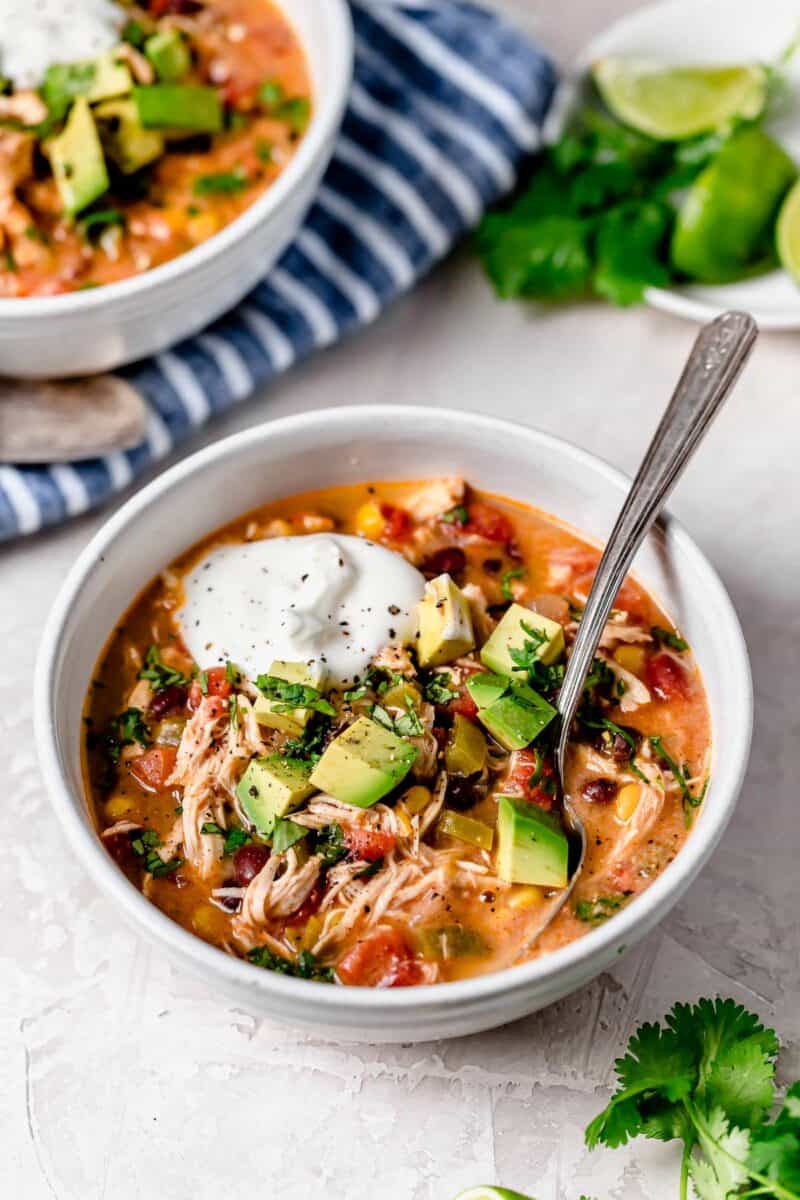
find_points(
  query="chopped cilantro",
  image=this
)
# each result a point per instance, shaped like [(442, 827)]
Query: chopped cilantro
[(288, 696), (437, 691), (157, 673), (125, 729), (329, 842), (234, 838), (223, 183), (456, 516), (666, 637), (308, 745), (407, 724), (507, 577), (212, 827), (304, 967), (145, 847), (233, 674), (95, 223), (599, 909), (202, 679), (681, 775)]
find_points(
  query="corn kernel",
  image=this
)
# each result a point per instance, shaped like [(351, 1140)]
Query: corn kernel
[(627, 801), (315, 523), (369, 520), (118, 807), (204, 920), (312, 931), (416, 798), (278, 528), (403, 820), (294, 936), (631, 658), (202, 227), (525, 897)]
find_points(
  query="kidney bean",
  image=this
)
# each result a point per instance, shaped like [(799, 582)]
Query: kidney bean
[(600, 791), (450, 560), (248, 861), (168, 700)]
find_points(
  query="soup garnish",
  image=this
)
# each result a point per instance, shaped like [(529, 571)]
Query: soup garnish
[(323, 739), (122, 160)]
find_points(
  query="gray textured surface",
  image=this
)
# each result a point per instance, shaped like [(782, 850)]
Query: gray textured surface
[(120, 1078)]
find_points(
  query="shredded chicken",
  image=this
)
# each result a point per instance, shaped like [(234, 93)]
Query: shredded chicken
[(16, 158), (648, 810), (619, 631), (394, 658), (279, 889), (27, 107), (635, 693), (482, 622), (434, 498)]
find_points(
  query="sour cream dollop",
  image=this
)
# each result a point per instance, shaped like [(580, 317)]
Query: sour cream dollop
[(34, 34), (330, 600)]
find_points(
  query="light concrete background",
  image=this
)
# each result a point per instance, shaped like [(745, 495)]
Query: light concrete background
[(121, 1078)]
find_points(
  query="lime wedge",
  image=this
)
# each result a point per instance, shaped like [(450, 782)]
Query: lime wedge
[(491, 1193), (673, 103), (788, 233)]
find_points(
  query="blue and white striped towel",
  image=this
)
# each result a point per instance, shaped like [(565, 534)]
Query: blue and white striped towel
[(447, 101)]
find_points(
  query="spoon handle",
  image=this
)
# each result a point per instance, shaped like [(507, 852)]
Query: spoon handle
[(715, 363)]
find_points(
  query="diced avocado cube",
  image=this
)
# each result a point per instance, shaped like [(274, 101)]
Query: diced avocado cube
[(445, 623), (169, 55), (267, 710), (485, 688), (111, 78), (76, 157), (465, 752), (271, 787), (174, 106), (510, 635), (518, 717), (124, 139), (531, 845), (363, 764)]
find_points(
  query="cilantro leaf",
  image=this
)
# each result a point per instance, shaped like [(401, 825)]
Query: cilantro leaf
[(666, 637), (159, 674), (775, 1147), (507, 577), (437, 689), (629, 248), (599, 909), (288, 696), (304, 967), (330, 843)]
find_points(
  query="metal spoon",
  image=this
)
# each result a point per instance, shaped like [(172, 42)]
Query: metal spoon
[(715, 363), (68, 420)]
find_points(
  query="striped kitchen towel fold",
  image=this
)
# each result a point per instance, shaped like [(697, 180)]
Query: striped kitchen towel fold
[(446, 102)]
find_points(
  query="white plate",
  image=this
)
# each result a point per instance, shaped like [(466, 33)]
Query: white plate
[(711, 31)]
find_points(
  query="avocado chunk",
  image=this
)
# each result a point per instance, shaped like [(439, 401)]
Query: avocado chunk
[(76, 157), (465, 752), (169, 55), (171, 106), (271, 787), (512, 634), (445, 623), (364, 763), (531, 845), (124, 140), (269, 711), (485, 688), (513, 713), (111, 78)]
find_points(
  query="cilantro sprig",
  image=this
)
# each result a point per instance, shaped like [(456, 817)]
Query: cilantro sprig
[(159, 674), (706, 1077)]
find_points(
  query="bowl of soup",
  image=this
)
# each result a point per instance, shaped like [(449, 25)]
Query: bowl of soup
[(155, 160), (295, 707)]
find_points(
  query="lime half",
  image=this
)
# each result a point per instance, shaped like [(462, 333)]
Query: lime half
[(491, 1193), (788, 233), (673, 103)]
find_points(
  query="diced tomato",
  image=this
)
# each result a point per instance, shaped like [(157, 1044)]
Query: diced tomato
[(369, 844), (525, 766), (217, 685), (153, 768), (382, 960), (464, 705), (665, 677), (398, 522), (489, 523), (160, 8)]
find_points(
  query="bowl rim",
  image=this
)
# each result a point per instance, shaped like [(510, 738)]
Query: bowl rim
[(337, 1001), (329, 106)]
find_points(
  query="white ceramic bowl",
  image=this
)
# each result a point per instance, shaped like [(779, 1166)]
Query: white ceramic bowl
[(345, 446), (97, 330)]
